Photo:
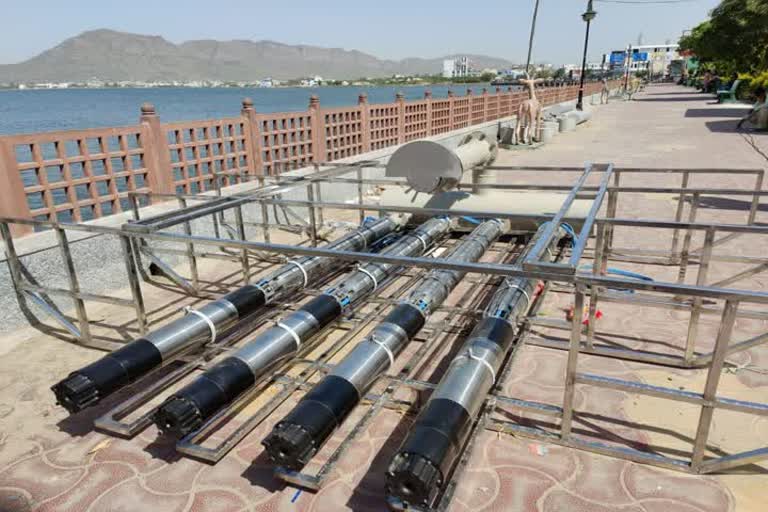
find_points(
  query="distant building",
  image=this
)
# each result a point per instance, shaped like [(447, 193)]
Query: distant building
[(574, 70), (456, 68), (653, 58)]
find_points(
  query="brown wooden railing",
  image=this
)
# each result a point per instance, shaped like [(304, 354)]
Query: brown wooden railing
[(84, 174)]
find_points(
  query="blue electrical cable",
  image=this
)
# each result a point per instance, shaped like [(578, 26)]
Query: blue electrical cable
[(621, 272), (569, 229)]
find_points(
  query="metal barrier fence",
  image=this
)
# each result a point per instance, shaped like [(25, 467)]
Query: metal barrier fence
[(79, 175)]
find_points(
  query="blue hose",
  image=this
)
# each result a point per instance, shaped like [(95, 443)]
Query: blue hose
[(472, 220), (569, 229), (621, 272)]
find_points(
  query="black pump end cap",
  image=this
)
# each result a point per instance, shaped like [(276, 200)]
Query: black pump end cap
[(413, 479), (289, 446), (76, 392), (177, 417)]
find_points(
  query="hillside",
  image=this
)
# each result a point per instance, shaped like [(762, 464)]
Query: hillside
[(111, 55)]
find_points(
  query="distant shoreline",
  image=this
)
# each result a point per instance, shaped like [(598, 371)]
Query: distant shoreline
[(181, 87)]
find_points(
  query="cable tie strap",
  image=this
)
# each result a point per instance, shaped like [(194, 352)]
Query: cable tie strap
[(420, 239), (386, 349), (362, 236), (369, 274), (482, 361), (293, 334), (527, 297), (303, 272), (188, 310)]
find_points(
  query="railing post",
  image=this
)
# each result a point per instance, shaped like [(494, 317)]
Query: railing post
[(400, 100), (253, 142), (365, 122), (318, 130), (428, 100), (450, 110), (155, 144), (511, 103), (499, 113), (485, 104), (13, 199)]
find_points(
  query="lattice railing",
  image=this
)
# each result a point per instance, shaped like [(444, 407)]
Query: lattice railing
[(202, 150), (441, 116), (343, 132), (384, 122), (461, 112), (416, 123), (285, 141), (79, 175), (83, 174)]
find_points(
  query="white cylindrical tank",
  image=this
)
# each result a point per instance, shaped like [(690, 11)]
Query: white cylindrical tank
[(567, 123), (547, 132), (431, 167)]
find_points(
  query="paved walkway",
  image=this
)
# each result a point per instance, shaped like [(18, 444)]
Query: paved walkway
[(665, 126), (49, 463)]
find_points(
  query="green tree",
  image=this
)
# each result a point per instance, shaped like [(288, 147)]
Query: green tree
[(735, 38)]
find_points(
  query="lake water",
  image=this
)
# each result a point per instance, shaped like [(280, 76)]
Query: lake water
[(71, 109), (67, 109)]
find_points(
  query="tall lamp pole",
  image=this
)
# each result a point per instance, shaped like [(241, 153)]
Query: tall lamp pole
[(530, 40), (588, 16)]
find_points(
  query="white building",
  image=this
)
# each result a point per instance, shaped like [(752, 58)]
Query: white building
[(591, 66), (458, 67), (654, 58)]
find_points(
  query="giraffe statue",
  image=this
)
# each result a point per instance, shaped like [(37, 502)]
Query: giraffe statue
[(529, 113)]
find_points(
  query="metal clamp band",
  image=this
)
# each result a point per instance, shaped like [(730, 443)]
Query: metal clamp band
[(303, 272), (527, 297), (386, 349), (188, 310), (293, 334), (423, 243), (484, 363), (369, 274), (362, 236)]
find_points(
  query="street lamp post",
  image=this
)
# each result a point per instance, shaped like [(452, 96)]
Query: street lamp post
[(530, 40), (588, 16)]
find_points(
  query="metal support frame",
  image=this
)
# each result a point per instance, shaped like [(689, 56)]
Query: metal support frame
[(594, 241), (376, 402)]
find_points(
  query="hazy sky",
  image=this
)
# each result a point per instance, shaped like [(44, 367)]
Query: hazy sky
[(389, 29)]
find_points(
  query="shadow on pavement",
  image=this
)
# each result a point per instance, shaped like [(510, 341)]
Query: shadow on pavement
[(685, 98), (724, 203), (725, 126), (680, 93), (717, 112)]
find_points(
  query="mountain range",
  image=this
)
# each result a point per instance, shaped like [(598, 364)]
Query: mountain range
[(115, 56)]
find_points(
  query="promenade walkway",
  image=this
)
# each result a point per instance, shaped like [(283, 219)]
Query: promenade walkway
[(667, 125), (49, 463)]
